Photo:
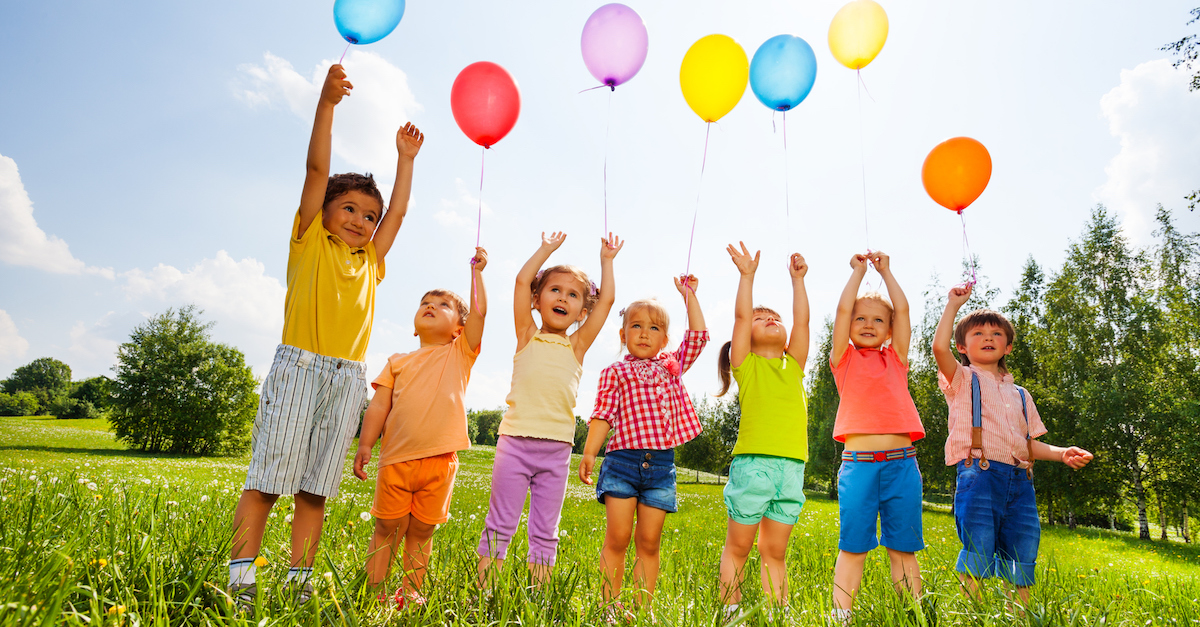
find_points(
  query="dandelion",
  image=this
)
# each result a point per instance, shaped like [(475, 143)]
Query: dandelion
[(287, 519), (146, 481), (472, 516), (91, 486), (260, 561), (33, 477), (563, 533), (99, 563), (116, 610), (328, 576), (365, 516), (203, 498), (97, 496)]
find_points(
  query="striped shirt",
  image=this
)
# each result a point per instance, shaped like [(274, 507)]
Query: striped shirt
[(644, 402), (1003, 423)]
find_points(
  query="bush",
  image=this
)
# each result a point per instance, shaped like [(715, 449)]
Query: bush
[(18, 404), (46, 378), (486, 422), (177, 391), (73, 408), (96, 390)]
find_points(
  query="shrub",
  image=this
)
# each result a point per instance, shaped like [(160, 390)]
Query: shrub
[(18, 404), (73, 408)]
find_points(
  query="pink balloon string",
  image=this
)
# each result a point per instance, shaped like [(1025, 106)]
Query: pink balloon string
[(478, 227), (607, 126), (696, 212), (967, 252), (344, 53)]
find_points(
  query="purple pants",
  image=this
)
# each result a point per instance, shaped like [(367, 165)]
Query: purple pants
[(532, 465)]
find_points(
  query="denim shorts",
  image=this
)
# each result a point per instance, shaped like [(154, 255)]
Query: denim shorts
[(644, 474), (764, 486), (995, 512), (888, 491)]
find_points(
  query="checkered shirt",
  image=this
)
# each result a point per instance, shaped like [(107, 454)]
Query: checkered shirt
[(644, 402)]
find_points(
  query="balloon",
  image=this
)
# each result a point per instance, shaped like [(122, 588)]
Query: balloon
[(366, 21), (857, 33), (956, 172), (485, 101), (783, 71), (614, 44), (713, 76)]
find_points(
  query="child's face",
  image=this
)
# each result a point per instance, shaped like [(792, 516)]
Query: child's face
[(644, 337), (561, 302), (986, 344), (767, 331), (437, 320), (352, 217), (870, 324)]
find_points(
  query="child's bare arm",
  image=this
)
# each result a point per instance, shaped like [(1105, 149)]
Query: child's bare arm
[(901, 316), (474, 327), (316, 178), (372, 426), (597, 431), (845, 309), (408, 143), (743, 305), (695, 315), (522, 302), (1072, 456), (798, 342), (582, 339), (945, 332)]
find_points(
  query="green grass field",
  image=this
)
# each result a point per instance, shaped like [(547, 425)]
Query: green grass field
[(91, 533)]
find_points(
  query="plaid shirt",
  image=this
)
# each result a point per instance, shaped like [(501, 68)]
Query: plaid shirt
[(644, 402)]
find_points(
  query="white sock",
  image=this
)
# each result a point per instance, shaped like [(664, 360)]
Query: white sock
[(840, 616), (241, 571), (299, 573)]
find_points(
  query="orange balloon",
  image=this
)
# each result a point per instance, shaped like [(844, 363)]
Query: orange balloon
[(956, 172)]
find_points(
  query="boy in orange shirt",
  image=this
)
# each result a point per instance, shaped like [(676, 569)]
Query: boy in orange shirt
[(419, 410)]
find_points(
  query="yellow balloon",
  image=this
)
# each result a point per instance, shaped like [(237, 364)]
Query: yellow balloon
[(713, 76), (857, 33)]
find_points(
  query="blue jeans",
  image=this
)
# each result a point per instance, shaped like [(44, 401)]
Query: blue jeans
[(995, 512), (645, 474)]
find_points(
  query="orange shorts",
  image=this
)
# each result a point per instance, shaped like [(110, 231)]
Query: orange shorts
[(421, 487)]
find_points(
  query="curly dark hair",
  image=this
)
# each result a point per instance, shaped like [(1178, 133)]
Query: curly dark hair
[(350, 181)]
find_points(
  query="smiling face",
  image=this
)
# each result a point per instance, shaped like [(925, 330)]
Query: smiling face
[(766, 331), (642, 334), (870, 323), (985, 344), (560, 302), (438, 319), (352, 216)]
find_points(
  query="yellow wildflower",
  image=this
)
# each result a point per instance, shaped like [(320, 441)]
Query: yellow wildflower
[(260, 561)]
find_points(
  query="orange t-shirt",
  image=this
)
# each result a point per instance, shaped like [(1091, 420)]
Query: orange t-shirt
[(428, 416), (873, 386)]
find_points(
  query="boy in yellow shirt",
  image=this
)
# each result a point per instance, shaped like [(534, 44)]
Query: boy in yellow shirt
[(316, 389)]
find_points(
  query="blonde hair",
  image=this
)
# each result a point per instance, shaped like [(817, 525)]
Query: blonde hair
[(882, 300), (658, 314), (591, 293), (459, 303)]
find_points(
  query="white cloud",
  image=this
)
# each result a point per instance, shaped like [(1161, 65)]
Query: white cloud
[(365, 126), (24, 243), (1157, 121), (463, 211), (12, 346), (93, 348)]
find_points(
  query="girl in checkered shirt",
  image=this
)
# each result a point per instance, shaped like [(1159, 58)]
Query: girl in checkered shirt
[(766, 478), (641, 400)]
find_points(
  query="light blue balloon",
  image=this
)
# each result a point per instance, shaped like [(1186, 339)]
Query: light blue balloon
[(783, 71), (366, 21)]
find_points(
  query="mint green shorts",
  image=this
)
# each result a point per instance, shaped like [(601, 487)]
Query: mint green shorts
[(764, 486)]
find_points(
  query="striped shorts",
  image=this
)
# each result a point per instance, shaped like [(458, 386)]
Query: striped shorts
[(307, 416)]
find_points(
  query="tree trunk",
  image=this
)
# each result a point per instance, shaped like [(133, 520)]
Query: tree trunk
[(1050, 509), (1143, 520), (1184, 531), (1071, 518), (1162, 515), (1112, 521)]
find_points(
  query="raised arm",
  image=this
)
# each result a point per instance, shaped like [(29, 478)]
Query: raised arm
[(372, 426), (944, 334), (408, 144), (478, 303), (695, 315), (522, 296), (798, 342), (583, 338), (845, 309), (316, 178), (743, 306), (901, 316)]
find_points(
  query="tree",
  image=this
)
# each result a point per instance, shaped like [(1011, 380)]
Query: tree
[(95, 390), (179, 392), (487, 423), (712, 450), (1188, 52), (18, 404), (824, 454), (46, 378)]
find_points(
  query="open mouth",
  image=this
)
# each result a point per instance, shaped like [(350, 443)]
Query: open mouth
[(560, 311)]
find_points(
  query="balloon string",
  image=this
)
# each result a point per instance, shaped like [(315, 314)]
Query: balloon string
[(692, 238), (864, 85), (607, 126), (787, 195), (611, 87), (967, 250), (862, 154), (478, 227), (344, 53)]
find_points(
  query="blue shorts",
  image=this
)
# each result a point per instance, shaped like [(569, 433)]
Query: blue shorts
[(764, 486), (995, 512), (888, 491), (643, 474)]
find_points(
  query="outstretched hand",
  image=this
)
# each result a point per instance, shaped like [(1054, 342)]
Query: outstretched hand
[(1076, 457), (480, 259), (880, 260), (336, 86), (859, 262), (689, 282), (409, 140), (554, 240), (742, 259), (959, 295), (610, 247), (797, 267)]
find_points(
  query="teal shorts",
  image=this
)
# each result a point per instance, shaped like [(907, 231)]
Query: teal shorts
[(764, 486)]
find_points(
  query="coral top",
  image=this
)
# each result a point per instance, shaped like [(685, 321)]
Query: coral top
[(873, 386), (545, 383)]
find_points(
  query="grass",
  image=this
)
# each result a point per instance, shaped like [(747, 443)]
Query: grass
[(91, 533)]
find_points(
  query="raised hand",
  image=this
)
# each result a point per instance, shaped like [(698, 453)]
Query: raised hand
[(336, 86), (480, 259), (742, 259), (689, 282), (959, 295), (409, 140), (610, 247), (797, 267), (859, 262), (880, 260), (555, 240)]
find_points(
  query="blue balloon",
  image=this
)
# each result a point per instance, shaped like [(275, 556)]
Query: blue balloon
[(783, 71), (366, 21)]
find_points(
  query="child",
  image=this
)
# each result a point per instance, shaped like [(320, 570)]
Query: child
[(418, 407), (878, 422), (995, 511), (316, 388), (642, 399), (766, 478), (533, 452)]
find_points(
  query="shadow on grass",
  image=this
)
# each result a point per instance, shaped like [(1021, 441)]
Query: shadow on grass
[(104, 452)]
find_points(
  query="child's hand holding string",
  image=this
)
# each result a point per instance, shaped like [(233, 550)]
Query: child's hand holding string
[(959, 295), (480, 259), (880, 260), (610, 247), (336, 86), (859, 262), (689, 283), (797, 267), (742, 259)]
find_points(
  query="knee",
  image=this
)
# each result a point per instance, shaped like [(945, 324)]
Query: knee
[(386, 528), (648, 544), (263, 498), (774, 552), (420, 531), (310, 500), (617, 539), (738, 546), (902, 558)]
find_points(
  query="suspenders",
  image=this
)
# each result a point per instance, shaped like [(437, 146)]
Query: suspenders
[(977, 428)]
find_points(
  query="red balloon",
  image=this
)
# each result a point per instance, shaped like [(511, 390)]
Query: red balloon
[(485, 101)]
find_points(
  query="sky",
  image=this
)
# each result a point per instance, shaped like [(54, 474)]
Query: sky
[(152, 155)]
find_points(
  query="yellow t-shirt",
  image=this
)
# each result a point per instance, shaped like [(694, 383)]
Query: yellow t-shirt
[(545, 383), (428, 416), (774, 411), (330, 293)]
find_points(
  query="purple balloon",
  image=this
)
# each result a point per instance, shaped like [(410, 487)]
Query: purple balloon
[(614, 44)]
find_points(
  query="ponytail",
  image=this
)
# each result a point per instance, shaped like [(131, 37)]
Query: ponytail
[(723, 368)]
